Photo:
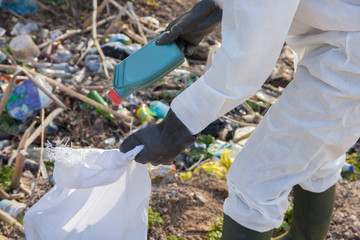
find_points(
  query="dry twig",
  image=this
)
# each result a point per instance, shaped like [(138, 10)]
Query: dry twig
[(97, 44), (42, 167), (72, 32), (98, 12), (12, 221), (82, 97), (19, 162), (8, 90)]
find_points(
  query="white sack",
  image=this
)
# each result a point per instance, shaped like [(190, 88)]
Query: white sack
[(99, 194)]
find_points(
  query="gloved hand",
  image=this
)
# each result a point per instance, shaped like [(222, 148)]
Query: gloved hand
[(191, 27), (162, 142)]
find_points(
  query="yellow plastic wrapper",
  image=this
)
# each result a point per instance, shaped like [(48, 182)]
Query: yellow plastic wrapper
[(225, 160), (212, 167), (186, 176)]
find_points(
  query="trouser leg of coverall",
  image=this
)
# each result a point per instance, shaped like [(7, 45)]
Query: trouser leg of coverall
[(311, 216), (302, 139)]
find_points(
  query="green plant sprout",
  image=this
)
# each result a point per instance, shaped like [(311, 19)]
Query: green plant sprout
[(154, 217)]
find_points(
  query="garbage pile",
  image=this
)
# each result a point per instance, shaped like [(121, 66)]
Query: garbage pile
[(53, 92)]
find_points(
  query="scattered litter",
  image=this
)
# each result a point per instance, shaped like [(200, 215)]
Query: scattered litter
[(22, 46), (159, 109), (120, 37), (26, 29), (162, 171), (94, 95), (19, 6), (12, 207), (2, 31), (26, 100)]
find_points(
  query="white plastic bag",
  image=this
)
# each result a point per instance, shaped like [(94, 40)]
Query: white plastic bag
[(99, 194)]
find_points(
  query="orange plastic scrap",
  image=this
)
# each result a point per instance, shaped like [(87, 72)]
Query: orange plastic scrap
[(4, 77)]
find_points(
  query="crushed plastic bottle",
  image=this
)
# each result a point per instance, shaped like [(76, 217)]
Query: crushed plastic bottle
[(159, 109), (55, 73), (79, 76), (65, 67), (61, 55), (93, 64), (35, 153), (55, 34), (13, 208)]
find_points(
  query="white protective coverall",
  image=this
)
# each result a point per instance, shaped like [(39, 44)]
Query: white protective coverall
[(303, 137)]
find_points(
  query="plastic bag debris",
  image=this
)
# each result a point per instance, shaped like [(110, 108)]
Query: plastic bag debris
[(162, 171), (218, 147), (184, 176), (120, 37), (26, 100), (19, 6), (214, 168), (98, 193), (119, 50), (27, 29), (22, 46)]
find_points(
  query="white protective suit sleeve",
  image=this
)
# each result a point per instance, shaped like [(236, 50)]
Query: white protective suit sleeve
[(253, 34)]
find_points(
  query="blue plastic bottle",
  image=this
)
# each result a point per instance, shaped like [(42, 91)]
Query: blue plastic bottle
[(144, 68)]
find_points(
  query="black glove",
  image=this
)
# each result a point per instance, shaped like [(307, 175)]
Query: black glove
[(162, 142), (191, 27)]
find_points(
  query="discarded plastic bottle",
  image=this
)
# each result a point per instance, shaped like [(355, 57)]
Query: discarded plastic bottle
[(167, 94), (348, 167), (158, 109), (144, 68), (64, 66), (55, 73), (94, 95), (79, 76), (12, 208), (143, 114), (61, 56)]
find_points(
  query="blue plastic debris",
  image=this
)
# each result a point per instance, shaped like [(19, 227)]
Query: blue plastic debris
[(19, 6)]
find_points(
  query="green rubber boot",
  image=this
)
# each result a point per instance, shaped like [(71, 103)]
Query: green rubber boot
[(311, 216), (234, 231)]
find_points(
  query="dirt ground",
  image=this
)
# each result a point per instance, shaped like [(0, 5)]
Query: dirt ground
[(189, 208)]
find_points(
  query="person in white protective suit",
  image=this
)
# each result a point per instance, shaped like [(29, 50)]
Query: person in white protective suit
[(302, 140)]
